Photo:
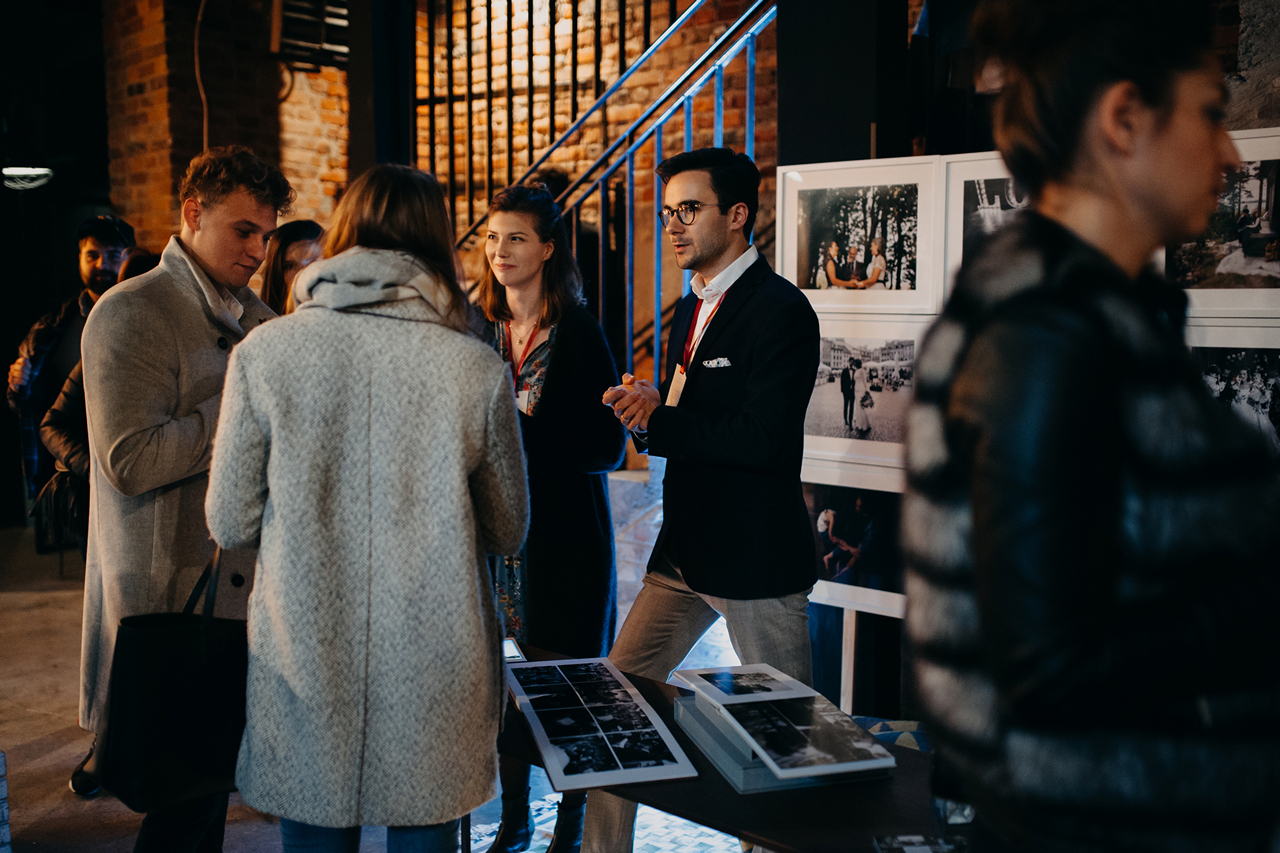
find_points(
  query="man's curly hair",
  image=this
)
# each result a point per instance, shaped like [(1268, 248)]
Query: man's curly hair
[(217, 172)]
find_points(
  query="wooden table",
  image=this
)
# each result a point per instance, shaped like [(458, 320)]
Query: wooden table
[(839, 817)]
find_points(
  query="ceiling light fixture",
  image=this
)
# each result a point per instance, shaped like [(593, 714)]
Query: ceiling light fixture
[(26, 177)]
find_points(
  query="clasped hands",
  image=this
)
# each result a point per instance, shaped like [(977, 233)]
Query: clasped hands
[(633, 401)]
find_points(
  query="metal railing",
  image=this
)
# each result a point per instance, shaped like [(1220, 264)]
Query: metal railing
[(594, 182), (682, 102), (450, 98)]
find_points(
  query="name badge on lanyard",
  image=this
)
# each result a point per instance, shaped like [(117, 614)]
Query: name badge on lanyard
[(690, 347)]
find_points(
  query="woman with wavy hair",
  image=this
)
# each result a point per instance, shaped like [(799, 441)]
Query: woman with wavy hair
[(368, 444), (559, 592), (292, 247)]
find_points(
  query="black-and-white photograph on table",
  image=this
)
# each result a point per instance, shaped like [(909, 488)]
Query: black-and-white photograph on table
[(1233, 268), (862, 391), (808, 736), (861, 236), (592, 727), (726, 685), (1241, 367)]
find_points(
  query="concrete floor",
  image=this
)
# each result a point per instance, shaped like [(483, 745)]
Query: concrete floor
[(40, 614)]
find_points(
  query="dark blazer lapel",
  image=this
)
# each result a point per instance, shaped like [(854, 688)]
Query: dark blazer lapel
[(737, 296)]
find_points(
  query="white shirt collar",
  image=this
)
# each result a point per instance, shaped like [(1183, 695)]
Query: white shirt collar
[(710, 292)]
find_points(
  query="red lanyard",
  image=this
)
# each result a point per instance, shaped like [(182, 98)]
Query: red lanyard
[(691, 343), (517, 367)]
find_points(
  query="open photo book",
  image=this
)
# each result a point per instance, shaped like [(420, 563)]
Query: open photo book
[(790, 726)]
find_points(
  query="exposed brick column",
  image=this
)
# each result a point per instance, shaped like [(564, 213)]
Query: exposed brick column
[(138, 136)]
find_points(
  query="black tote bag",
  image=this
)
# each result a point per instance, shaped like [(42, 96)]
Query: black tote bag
[(175, 711)]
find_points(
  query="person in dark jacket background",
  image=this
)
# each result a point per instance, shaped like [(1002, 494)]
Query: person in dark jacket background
[(1090, 537), (52, 347), (559, 593)]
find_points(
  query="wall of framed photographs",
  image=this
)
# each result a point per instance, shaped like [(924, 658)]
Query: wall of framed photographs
[(875, 245)]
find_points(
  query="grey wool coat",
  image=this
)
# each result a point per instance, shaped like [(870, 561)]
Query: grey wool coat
[(155, 351), (375, 453)]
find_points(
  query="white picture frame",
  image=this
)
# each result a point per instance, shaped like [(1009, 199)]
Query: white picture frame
[(962, 171), (857, 187), (1254, 146), (840, 456)]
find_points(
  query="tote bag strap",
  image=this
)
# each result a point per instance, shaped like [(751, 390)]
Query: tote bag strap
[(209, 579)]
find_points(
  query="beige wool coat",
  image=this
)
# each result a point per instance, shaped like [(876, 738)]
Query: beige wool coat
[(155, 351), (376, 454)]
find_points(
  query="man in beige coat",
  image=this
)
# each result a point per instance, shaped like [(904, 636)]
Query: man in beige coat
[(155, 353)]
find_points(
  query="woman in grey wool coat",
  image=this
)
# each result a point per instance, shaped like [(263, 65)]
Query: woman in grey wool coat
[(371, 444)]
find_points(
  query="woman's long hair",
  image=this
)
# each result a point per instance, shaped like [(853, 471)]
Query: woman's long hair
[(561, 279), (401, 208), (274, 291)]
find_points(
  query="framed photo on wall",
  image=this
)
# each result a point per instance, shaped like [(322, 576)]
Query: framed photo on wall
[(862, 236), (859, 561), (858, 409), (1233, 268), (981, 198), (1241, 366)]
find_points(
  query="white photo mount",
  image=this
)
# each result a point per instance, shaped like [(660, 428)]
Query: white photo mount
[(592, 727), (961, 169), (828, 447), (797, 236), (1253, 146), (727, 685)]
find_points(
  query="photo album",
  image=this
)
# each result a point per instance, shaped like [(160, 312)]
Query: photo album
[(792, 728)]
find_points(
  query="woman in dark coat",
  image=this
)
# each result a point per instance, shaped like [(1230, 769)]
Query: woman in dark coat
[(559, 593)]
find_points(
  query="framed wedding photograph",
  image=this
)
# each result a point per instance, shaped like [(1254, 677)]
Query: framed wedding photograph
[(1233, 268), (862, 236), (858, 409), (1241, 366), (981, 198)]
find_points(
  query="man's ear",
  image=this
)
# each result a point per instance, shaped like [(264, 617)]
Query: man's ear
[(738, 216), (191, 213)]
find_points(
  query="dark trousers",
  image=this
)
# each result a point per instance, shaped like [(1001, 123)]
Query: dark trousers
[(849, 401), (191, 826)]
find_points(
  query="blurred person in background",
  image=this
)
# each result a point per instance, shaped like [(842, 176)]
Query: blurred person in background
[(52, 348), (294, 246)]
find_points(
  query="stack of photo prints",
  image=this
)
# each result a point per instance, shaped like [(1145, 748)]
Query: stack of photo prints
[(592, 727), (876, 244), (765, 731)]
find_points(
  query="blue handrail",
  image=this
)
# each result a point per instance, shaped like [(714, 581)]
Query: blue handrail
[(655, 130), (577, 125)]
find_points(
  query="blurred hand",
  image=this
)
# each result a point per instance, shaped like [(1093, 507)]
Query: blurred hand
[(19, 373)]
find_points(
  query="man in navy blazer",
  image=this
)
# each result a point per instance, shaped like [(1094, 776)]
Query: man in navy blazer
[(736, 540)]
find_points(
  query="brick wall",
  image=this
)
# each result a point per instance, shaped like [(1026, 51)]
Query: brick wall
[(155, 116), (313, 140), (138, 136), (623, 108)]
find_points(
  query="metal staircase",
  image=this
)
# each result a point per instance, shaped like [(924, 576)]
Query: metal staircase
[(606, 190)]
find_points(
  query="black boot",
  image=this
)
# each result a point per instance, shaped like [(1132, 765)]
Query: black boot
[(568, 835), (515, 833)]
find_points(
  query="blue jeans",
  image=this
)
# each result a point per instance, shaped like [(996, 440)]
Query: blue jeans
[(437, 838)]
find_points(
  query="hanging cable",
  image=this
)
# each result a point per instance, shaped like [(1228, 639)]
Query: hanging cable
[(204, 101)]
